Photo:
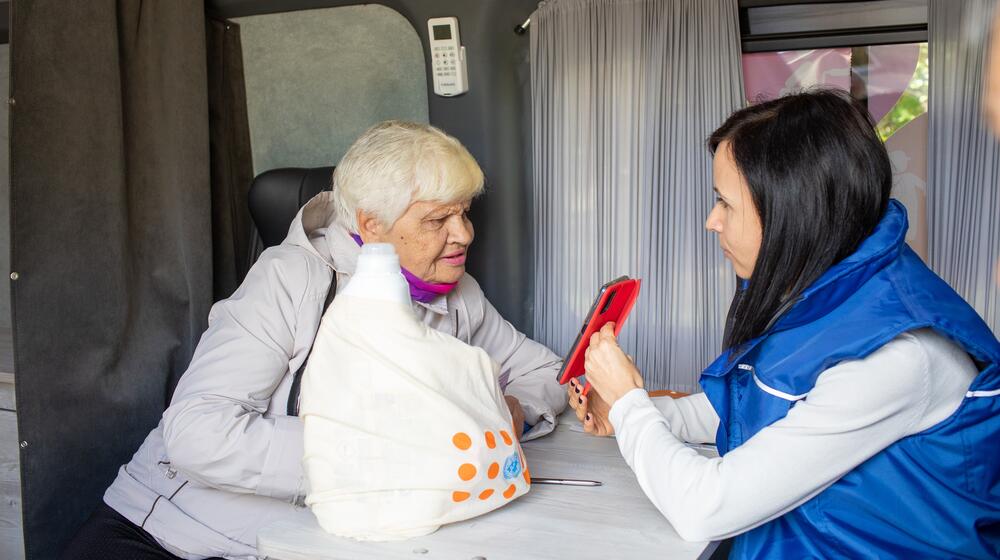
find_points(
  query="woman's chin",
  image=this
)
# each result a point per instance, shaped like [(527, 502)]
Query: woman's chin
[(450, 274)]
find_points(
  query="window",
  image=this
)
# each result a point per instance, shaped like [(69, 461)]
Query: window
[(891, 80), (889, 77)]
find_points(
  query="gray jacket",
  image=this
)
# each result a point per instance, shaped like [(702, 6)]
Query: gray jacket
[(225, 460)]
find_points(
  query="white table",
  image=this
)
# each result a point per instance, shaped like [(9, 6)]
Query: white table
[(615, 520)]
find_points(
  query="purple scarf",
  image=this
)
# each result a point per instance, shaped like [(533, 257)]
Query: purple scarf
[(424, 292)]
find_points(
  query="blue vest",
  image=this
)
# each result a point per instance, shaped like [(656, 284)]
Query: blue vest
[(932, 494)]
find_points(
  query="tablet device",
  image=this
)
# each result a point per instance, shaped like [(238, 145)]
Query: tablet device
[(613, 303)]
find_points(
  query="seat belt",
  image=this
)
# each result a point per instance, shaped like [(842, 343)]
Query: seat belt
[(293, 395)]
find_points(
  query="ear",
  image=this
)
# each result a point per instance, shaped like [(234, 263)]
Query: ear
[(369, 227)]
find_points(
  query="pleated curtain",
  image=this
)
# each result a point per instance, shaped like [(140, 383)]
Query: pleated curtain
[(624, 94), (963, 186)]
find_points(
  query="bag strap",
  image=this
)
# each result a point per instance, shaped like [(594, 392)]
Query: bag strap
[(293, 395)]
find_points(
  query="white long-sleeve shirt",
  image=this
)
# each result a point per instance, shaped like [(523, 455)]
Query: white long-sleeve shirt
[(856, 409)]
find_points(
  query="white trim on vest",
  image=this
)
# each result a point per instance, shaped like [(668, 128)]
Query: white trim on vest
[(992, 393), (775, 392)]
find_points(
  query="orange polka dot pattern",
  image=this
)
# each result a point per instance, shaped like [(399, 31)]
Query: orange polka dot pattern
[(462, 441), (467, 471)]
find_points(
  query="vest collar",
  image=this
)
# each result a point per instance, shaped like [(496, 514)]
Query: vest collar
[(835, 285), (844, 278)]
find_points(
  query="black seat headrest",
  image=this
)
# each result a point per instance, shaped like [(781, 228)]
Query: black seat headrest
[(276, 196)]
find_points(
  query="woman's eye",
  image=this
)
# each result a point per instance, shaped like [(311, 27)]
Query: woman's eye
[(720, 202)]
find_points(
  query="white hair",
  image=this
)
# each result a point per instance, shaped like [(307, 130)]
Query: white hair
[(396, 163)]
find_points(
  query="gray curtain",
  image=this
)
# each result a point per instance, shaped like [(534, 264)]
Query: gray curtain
[(963, 186), (111, 222), (624, 94)]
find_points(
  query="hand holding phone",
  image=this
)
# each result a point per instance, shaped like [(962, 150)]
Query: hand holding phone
[(613, 303)]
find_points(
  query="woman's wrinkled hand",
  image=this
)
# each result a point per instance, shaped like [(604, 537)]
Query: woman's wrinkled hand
[(516, 415), (591, 410), (609, 369)]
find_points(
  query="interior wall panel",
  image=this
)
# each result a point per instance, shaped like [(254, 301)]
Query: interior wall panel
[(316, 79)]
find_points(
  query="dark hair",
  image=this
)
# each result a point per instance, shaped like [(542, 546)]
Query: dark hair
[(820, 179)]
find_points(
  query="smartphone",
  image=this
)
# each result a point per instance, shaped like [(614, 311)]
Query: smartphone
[(613, 303)]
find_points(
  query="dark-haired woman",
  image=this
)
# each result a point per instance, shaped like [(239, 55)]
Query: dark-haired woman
[(856, 405)]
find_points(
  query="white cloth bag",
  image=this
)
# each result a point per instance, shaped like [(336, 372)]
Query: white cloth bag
[(406, 428)]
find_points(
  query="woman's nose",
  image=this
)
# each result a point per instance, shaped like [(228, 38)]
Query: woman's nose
[(460, 231), (713, 223)]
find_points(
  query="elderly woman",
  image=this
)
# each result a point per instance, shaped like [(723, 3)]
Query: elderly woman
[(226, 457)]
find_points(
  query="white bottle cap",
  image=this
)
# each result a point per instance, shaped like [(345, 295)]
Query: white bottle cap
[(378, 258), (378, 275)]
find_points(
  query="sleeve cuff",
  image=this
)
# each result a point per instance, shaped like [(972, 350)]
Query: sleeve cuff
[(282, 476), (545, 425), (635, 397), (539, 419), (538, 415)]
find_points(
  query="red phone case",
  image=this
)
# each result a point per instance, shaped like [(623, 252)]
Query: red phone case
[(613, 304)]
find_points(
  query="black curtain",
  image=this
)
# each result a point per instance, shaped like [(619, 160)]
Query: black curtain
[(231, 158), (111, 238)]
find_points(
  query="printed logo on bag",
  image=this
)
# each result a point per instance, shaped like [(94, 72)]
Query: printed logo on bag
[(513, 466)]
